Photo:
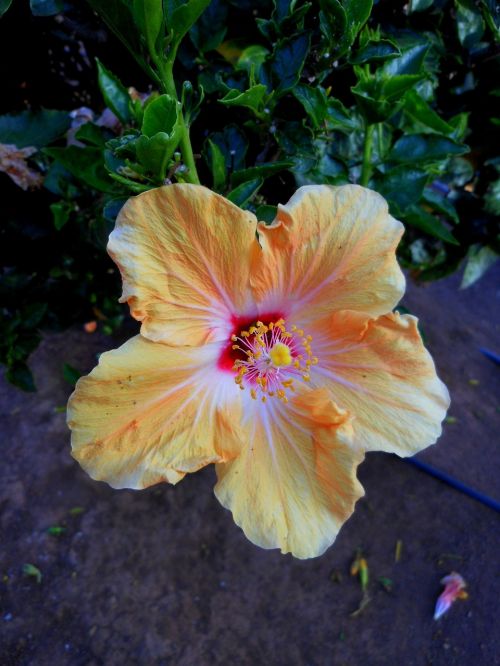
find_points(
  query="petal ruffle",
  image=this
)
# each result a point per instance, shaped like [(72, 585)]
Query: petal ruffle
[(184, 254), (294, 484), (149, 413), (330, 249), (380, 371)]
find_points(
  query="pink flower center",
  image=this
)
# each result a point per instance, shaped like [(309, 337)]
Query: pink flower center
[(271, 358)]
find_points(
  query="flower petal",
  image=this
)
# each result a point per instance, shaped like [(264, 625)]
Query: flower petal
[(294, 484), (149, 413), (184, 254), (329, 249), (381, 372)]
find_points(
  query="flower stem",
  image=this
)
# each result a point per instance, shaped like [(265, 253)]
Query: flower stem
[(366, 170), (168, 85)]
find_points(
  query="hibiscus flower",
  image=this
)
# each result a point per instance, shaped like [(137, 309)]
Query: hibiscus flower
[(269, 350)]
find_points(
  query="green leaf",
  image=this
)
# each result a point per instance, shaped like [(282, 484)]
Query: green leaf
[(46, 7), (21, 376), (252, 57), (112, 208), (430, 224), (253, 98), (479, 260), (117, 14), (233, 144), (217, 164), (470, 24), (440, 204), (33, 314), (333, 24), (61, 211), (4, 6), (155, 152), (85, 164), (161, 115), (411, 61), (185, 16), (338, 117), (314, 102), (32, 571), (416, 107), (33, 128), (71, 374), (394, 88), (210, 29), (402, 187), (148, 16), (266, 213), (56, 530), (420, 5), (242, 194), (375, 51), (413, 148), (260, 171), (115, 94), (357, 12), (92, 135), (492, 198), (288, 60)]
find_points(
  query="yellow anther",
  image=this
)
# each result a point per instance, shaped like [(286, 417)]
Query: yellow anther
[(235, 347), (271, 394), (309, 337), (245, 334), (288, 383), (296, 364), (300, 332), (234, 338), (280, 355), (252, 330), (241, 387), (253, 393), (306, 378), (314, 360), (263, 398), (281, 394)]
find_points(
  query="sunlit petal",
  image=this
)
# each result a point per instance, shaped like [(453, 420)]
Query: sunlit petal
[(149, 413), (294, 484), (380, 371), (330, 248), (184, 254)]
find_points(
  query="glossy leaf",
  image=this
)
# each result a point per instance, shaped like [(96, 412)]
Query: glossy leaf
[(148, 16), (4, 6), (61, 211), (314, 102), (33, 128), (253, 98), (86, 164), (419, 110), (217, 164), (260, 171), (425, 148), (242, 194), (440, 204), (161, 115), (46, 7), (114, 93), (402, 187), (419, 218), (233, 145), (184, 16), (375, 51), (479, 260), (210, 28), (420, 5), (288, 60), (411, 60), (470, 23)]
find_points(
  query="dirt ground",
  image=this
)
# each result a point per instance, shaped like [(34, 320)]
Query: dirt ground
[(164, 577)]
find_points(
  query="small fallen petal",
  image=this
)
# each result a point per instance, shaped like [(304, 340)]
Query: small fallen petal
[(454, 589), (90, 327), (13, 163), (398, 551)]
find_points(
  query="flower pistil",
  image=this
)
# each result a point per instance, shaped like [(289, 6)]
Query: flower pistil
[(271, 359)]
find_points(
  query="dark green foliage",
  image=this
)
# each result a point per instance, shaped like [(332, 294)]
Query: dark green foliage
[(276, 94)]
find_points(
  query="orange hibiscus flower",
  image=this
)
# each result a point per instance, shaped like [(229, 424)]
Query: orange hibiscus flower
[(271, 351)]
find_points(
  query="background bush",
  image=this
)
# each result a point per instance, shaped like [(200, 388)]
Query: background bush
[(398, 97)]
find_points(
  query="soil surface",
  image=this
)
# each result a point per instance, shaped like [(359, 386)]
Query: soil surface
[(164, 576)]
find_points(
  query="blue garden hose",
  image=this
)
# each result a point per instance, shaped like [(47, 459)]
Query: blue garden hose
[(454, 483)]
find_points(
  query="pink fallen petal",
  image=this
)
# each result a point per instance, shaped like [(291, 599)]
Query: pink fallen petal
[(454, 589)]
